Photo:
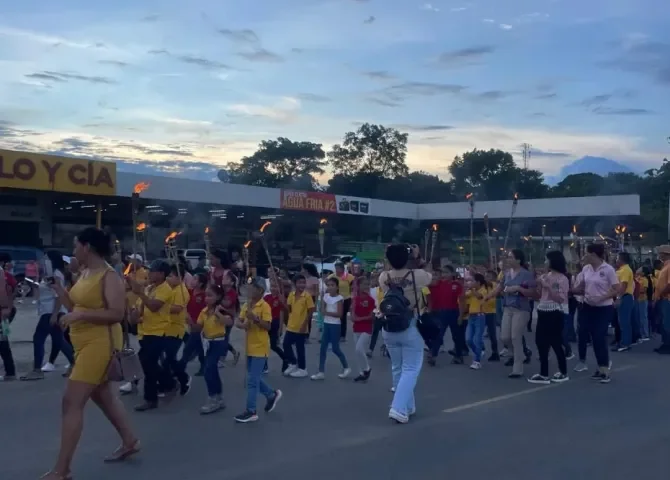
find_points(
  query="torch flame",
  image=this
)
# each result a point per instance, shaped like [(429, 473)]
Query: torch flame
[(172, 236), (323, 221), (140, 187), (434, 227), (623, 228), (206, 230), (574, 229), (247, 244), (469, 196), (265, 225), (127, 270), (142, 227)]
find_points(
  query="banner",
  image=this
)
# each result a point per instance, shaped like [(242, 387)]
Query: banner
[(33, 171), (321, 202)]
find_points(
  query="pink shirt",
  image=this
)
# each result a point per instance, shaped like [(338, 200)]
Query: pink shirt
[(597, 283), (556, 282)]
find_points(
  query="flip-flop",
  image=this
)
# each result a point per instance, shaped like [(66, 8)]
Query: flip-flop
[(122, 453)]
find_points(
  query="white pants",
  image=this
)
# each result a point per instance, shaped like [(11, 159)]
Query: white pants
[(362, 349)]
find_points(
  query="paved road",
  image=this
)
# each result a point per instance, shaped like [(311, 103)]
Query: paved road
[(470, 424)]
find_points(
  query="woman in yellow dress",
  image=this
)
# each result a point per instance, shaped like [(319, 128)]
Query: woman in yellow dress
[(96, 308)]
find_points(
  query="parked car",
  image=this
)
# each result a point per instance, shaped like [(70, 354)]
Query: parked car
[(20, 258)]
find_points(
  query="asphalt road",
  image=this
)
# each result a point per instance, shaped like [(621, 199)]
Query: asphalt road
[(469, 424)]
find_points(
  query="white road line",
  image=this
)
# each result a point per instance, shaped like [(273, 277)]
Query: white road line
[(508, 396)]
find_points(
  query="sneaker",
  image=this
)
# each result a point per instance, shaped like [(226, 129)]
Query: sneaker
[(398, 417), (559, 378), (645, 339), (127, 388), (457, 361), (504, 352), (581, 367), (475, 365), (266, 370), (318, 376), (597, 375), (622, 349), (185, 388), (605, 378), (363, 376), (221, 364), (368, 354), (495, 357), (48, 367), (272, 403), (289, 370), (539, 379), (214, 404), (298, 373), (144, 406), (570, 356), (7, 378), (246, 417), (392, 389), (345, 373)]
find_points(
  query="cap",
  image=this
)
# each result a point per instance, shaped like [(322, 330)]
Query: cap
[(160, 266), (664, 249), (258, 282), (136, 256)]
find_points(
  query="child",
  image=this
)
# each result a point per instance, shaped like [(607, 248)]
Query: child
[(490, 315), (273, 299), (300, 308), (477, 319), (256, 320), (193, 341), (642, 278), (363, 318), (331, 309), (214, 323), (230, 304)]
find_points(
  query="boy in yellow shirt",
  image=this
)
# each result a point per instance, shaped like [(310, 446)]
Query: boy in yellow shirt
[(175, 331), (256, 320), (476, 320), (300, 308), (626, 301)]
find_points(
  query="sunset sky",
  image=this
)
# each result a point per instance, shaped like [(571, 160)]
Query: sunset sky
[(197, 84)]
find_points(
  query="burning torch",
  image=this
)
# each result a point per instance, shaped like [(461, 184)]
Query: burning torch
[(171, 251), (260, 234), (461, 251), (135, 203), (208, 246), (620, 231), (322, 239), (544, 232), (470, 197), (142, 239), (245, 257), (433, 241), (515, 202), (426, 241), (488, 240)]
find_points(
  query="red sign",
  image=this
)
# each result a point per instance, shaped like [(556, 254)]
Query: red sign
[(308, 201)]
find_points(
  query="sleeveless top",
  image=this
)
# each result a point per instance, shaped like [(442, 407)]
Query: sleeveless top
[(87, 295)]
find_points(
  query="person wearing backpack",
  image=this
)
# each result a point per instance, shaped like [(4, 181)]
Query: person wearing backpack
[(399, 309)]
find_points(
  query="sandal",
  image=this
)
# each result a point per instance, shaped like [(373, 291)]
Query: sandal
[(54, 475), (122, 453)]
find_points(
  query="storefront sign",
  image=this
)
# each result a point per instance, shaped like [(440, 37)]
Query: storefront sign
[(32, 171), (324, 202)]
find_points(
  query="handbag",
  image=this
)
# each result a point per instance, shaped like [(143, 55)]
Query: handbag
[(124, 365)]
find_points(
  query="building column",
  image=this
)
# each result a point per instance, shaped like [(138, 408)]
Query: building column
[(45, 205)]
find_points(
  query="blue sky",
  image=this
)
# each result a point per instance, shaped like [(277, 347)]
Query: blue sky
[(193, 85)]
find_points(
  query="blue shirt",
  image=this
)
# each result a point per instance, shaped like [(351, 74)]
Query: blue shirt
[(524, 279)]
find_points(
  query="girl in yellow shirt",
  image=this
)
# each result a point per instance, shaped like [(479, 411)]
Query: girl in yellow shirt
[(213, 322), (474, 333), (643, 277)]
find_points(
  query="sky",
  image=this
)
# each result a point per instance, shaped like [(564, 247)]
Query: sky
[(186, 87)]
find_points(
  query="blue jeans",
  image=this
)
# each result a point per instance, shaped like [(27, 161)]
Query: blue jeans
[(58, 342), (331, 336), (593, 325), (192, 348), (643, 317), (625, 312), (475, 335), (255, 382), (445, 319), (406, 352), (215, 351)]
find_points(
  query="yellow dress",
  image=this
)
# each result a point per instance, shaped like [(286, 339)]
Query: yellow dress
[(91, 342)]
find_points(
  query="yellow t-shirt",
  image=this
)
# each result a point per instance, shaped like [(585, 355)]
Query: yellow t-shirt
[(625, 274), (299, 307), (141, 276), (475, 305), (644, 285), (344, 284), (177, 326), (211, 327), (157, 323), (258, 340), (489, 305)]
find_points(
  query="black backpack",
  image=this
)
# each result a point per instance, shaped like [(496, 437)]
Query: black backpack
[(396, 313)]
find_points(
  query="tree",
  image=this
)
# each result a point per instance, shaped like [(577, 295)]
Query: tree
[(372, 149), (579, 185), (279, 163)]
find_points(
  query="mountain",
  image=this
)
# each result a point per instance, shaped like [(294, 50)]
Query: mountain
[(598, 165)]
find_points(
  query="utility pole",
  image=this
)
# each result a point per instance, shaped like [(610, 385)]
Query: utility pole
[(526, 155)]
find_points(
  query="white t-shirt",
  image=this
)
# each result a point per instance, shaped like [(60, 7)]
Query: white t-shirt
[(47, 297), (330, 314)]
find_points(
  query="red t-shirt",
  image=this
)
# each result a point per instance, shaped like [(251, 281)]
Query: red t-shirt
[(364, 304), (195, 305), (229, 302), (445, 294), (275, 305)]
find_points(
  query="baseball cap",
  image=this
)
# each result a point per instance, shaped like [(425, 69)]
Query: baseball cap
[(136, 256), (160, 266)]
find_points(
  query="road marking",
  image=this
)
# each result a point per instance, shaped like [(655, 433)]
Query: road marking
[(528, 391)]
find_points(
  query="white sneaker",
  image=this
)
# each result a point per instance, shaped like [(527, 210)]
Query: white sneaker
[(298, 373), (475, 365), (581, 367), (126, 388), (504, 352), (67, 366), (48, 367), (398, 417), (345, 373), (289, 370), (393, 389), (318, 376)]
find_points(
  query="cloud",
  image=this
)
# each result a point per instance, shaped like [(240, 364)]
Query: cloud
[(506, 26), (312, 97), (491, 95), (379, 75), (284, 110), (384, 102), (429, 7), (621, 111), (150, 18), (596, 100), (425, 89), (244, 35), (63, 77), (644, 57), (459, 9), (193, 60), (546, 96), (465, 55), (488, 20), (537, 152), (369, 20), (421, 128), (115, 63), (261, 55)]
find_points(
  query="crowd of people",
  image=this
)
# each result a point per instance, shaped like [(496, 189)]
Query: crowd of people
[(179, 315)]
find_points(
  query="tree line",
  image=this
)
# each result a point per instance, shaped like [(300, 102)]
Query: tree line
[(371, 162)]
